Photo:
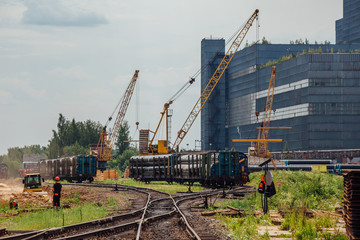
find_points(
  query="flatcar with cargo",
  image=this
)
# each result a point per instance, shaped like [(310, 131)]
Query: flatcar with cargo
[(225, 168)]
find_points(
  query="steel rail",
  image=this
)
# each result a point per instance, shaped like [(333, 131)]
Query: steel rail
[(142, 218), (103, 231), (84, 225), (139, 223), (62, 230)]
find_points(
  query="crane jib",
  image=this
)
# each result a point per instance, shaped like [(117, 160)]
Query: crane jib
[(107, 141), (214, 80)]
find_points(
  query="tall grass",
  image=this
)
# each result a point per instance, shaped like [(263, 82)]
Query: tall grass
[(296, 192), (158, 185), (302, 227), (303, 190), (54, 218), (244, 227)]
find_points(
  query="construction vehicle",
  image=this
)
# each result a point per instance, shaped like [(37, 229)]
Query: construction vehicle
[(213, 81), (103, 150), (261, 144), (32, 182)]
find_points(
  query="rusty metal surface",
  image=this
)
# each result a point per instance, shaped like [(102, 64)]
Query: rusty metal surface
[(351, 204)]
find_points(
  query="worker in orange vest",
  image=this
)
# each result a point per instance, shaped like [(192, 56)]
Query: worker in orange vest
[(57, 193), (13, 204)]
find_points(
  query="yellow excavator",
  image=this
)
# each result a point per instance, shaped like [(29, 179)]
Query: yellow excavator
[(33, 182)]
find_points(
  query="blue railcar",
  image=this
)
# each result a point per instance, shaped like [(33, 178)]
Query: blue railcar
[(230, 167), (86, 165), (76, 168)]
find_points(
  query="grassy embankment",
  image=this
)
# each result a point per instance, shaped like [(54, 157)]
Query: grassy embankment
[(79, 212), (297, 193), (47, 218)]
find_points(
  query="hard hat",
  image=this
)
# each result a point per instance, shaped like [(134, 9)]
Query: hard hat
[(57, 179)]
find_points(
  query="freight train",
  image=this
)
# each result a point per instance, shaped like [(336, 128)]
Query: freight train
[(77, 168), (216, 169)]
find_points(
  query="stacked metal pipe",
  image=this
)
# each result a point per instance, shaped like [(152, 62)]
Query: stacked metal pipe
[(352, 204)]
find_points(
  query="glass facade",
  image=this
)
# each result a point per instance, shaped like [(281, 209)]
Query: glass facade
[(213, 114), (317, 94), (348, 28)]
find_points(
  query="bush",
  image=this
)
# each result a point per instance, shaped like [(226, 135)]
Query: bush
[(296, 192), (303, 190)]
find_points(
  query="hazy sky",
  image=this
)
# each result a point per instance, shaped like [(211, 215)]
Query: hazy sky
[(77, 57)]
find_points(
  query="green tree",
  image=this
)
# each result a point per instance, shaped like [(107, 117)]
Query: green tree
[(55, 149), (299, 41), (75, 149), (90, 132), (14, 158), (121, 162), (61, 125), (74, 136), (120, 145), (264, 41)]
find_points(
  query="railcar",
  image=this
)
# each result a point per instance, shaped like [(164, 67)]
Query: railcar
[(76, 168), (209, 168)]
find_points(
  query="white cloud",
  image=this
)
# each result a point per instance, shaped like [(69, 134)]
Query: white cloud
[(21, 87), (11, 12), (45, 12), (75, 72), (5, 97)]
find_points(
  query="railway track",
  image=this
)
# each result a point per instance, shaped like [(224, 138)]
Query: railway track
[(158, 216)]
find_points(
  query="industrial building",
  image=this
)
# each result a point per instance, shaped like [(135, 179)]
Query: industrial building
[(348, 28), (316, 93)]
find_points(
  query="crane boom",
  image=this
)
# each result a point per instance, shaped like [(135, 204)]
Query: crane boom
[(106, 142), (262, 142), (214, 80), (165, 113), (262, 147), (122, 110)]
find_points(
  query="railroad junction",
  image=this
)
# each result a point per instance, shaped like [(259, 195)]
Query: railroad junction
[(150, 214)]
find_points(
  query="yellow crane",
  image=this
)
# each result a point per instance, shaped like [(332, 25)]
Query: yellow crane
[(103, 149), (262, 142), (163, 145), (213, 81)]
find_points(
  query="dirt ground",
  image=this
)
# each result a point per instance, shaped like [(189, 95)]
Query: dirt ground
[(10, 187), (71, 195)]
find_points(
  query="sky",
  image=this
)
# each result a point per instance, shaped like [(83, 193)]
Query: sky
[(77, 57)]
